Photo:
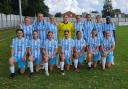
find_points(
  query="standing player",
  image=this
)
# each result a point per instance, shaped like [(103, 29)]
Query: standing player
[(41, 26), (99, 28), (65, 24), (78, 25), (66, 46), (79, 49), (27, 28), (93, 49), (109, 26), (52, 26), (88, 25), (50, 52), (107, 46), (34, 52), (19, 49)]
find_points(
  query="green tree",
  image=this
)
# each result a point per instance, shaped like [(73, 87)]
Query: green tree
[(107, 9), (58, 14)]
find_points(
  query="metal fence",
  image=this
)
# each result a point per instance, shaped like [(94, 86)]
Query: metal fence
[(8, 21)]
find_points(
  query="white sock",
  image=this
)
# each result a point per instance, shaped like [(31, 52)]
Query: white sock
[(103, 61), (62, 65), (75, 63), (112, 59), (46, 67), (12, 69), (31, 66), (89, 64)]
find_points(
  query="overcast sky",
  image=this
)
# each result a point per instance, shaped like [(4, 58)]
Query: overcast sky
[(79, 6)]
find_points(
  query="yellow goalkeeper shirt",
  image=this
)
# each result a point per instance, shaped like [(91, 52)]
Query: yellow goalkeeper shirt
[(65, 26)]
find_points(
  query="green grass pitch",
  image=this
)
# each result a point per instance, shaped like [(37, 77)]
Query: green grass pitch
[(114, 78)]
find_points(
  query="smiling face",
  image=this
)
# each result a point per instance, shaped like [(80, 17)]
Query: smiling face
[(50, 35), (108, 20), (65, 18), (78, 35), (19, 34), (27, 20), (98, 18), (40, 17), (52, 19), (66, 35), (107, 34), (88, 17), (94, 33), (35, 35), (78, 18)]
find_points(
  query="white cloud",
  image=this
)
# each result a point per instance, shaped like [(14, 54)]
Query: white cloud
[(79, 6)]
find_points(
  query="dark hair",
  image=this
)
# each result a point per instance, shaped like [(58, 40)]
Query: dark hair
[(35, 31), (20, 30), (40, 13), (50, 32), (94, 29), (77, 32), (26, 17), (77, 16), (66, 31)]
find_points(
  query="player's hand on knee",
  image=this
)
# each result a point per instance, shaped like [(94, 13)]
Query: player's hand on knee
[(31, 58)]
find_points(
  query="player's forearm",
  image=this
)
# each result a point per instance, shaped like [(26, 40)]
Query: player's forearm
[(113, 47)]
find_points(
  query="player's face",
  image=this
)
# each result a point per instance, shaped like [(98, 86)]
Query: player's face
[(40, 17), (78, 18), (66, 34), (35, 35), (52, 19), (107, 34), (50, 36), (19, 34), (65, 18), (78, 35), (98, 19), (27, 21), (107, 20), (94, 33), (88, 18)]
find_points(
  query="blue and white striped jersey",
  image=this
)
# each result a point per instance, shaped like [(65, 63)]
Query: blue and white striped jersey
[(19, 46), (87, 29), (78, 27), (35, 46), (27, 29), (99, 29), (50, 47), (41, 27), (93, 43), (79, 44), (109, 27), (66, 46), (53, 28), (107, 43)]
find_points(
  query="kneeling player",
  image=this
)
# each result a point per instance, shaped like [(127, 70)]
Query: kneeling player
[(34, 52), (66, 46), (79, 48), (107, 46), (93, 49), (50, 52), (18, 53)]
